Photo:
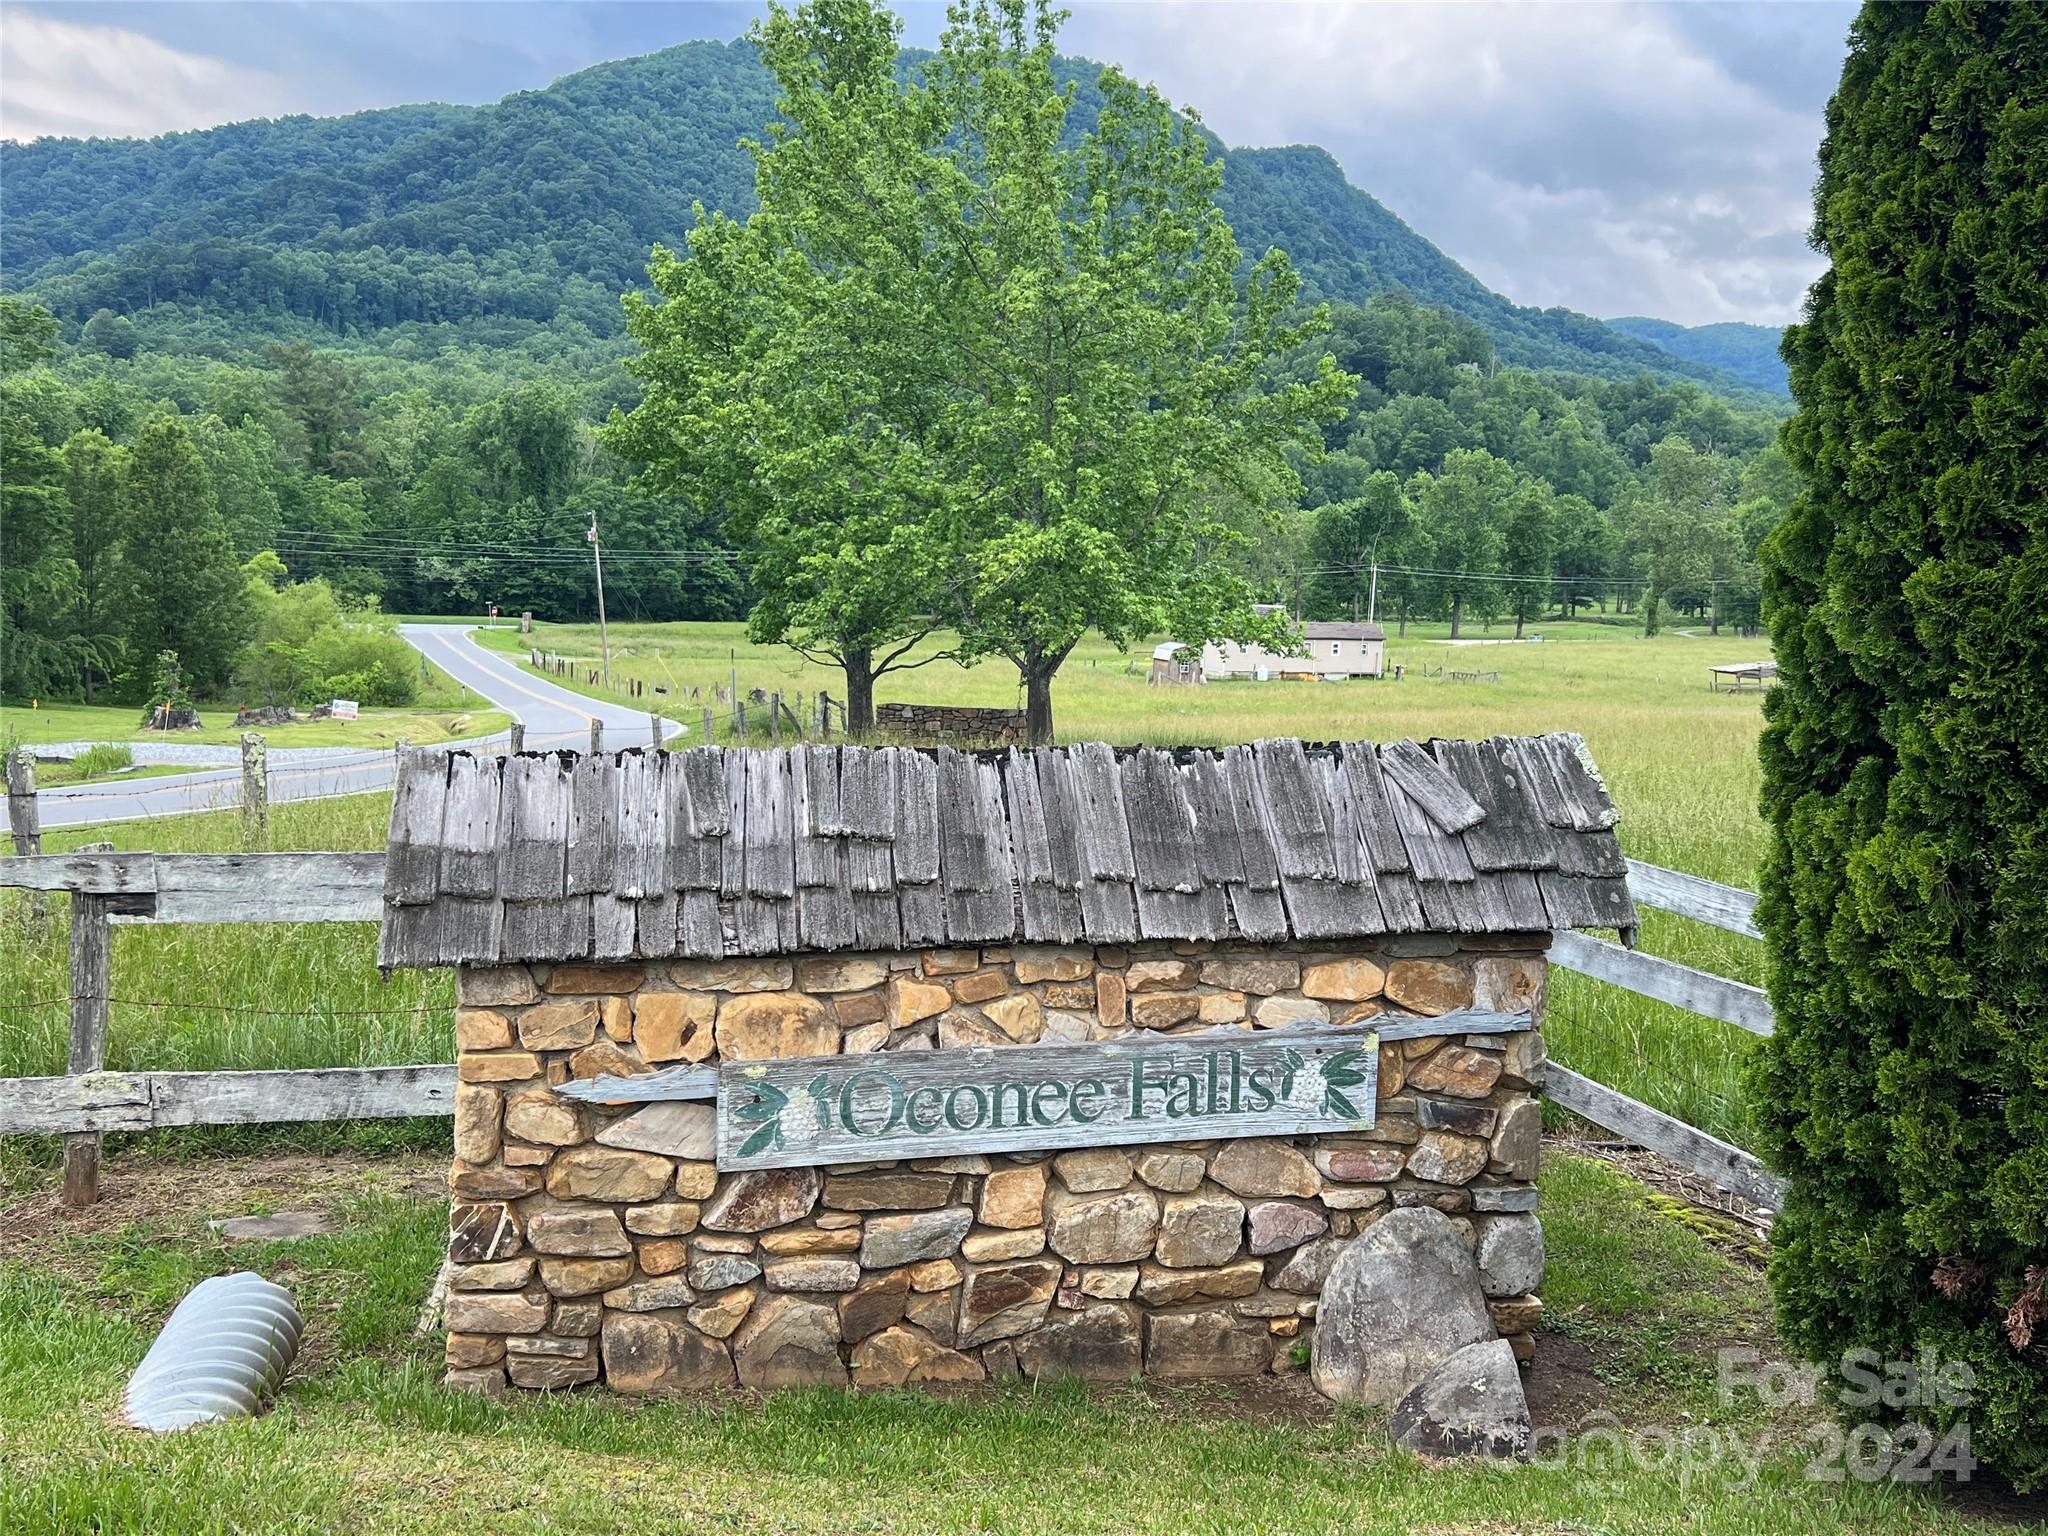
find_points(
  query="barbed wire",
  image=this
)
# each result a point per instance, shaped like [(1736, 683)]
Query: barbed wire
[(236, 1008)]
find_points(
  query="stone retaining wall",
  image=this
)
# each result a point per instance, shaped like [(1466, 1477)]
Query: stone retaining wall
[(948, 725), (604, 1244)]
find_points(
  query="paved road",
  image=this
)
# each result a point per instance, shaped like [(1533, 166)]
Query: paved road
[(552, 716)]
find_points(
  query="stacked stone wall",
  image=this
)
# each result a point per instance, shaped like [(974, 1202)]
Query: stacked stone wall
[(602, 1243), (949, 725)]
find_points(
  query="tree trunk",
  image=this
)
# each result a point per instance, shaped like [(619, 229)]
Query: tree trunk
[(1457, 612), (1518, 622), (1038, 709), (1404, 620), (860, 693)]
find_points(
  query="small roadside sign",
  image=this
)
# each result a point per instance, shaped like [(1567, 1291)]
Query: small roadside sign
[(342, 709)]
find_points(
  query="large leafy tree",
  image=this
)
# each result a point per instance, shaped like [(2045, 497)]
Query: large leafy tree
[(1905, 1093), (37, 579), (1675, 528), (1352, 538), (1528, 548), (1113, 405), (964, 367), (1462, 513), (787, 380)]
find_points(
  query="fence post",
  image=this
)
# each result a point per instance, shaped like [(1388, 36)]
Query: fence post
[(775, 718), (596, 738), (654, 726), (23, 820), (25, 825), (518, 737), (739, 719), (824, 713), (255, 792), (91, 966), (707, 725)]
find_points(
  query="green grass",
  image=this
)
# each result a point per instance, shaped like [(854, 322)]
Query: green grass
[(374, 727), (58, 775), (203, 998), (444, 711), (1681, 762), (363, 1440)]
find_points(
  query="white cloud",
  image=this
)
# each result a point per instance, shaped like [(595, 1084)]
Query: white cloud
[(1600, 156), (62, 77)]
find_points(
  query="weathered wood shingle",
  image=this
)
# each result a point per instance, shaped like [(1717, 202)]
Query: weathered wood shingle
[(709, 852)]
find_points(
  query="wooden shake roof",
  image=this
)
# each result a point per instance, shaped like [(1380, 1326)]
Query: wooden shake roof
[(713, 852)]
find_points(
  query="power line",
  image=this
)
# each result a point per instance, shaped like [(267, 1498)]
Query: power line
[(386, 548)]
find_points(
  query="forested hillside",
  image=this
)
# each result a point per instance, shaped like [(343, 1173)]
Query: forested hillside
[(270, 379), (1750, 352), (488, 223)]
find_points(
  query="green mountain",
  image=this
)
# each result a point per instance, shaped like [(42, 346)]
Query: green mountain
[(1750, 352), (521, 222)]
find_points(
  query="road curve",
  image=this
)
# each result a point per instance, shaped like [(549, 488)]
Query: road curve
[(553, 717)]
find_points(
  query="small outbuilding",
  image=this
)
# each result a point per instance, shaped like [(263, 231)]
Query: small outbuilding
[(1334, 650), (1174, 664), (891, 1065)]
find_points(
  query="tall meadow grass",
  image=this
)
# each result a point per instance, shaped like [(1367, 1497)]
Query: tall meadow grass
[(1680, 760)]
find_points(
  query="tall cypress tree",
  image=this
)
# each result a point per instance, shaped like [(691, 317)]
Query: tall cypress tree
[(1905, 1094), (183, 590)]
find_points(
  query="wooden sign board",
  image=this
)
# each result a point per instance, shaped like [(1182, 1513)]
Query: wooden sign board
[(899, 1104)]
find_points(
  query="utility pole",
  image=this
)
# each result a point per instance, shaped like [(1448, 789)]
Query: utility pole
[(1372, 601), (604, 633)]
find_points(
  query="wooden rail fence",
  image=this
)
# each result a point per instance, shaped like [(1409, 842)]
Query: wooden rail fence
[(109, 888)]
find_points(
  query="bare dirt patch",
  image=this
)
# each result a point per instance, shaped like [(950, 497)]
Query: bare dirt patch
[(37, 1228)]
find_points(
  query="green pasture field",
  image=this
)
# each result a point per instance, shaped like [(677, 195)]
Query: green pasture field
[(1680, 760), (363, 1438), (445, 711)]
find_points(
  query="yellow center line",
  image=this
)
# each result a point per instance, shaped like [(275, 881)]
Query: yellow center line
[(513, 682)]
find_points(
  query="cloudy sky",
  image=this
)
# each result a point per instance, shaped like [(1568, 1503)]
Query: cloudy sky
[(1627, 158)]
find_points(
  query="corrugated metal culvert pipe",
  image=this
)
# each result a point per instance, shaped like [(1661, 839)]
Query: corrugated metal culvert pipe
[(225, 1349)]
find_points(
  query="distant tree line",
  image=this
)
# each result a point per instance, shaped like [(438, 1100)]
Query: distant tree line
[(129, 518), (1457, 489)]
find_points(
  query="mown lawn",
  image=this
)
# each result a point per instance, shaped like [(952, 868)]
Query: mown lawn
[(444, 711), (364, 1440)]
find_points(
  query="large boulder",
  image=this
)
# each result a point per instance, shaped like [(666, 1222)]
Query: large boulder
[(1402, 1298), (1471, 1405)]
